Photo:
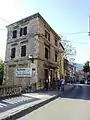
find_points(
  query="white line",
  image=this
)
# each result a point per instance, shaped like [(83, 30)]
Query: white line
[(3, 104)]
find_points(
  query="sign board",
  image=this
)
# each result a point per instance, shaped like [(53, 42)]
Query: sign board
[(23, 72)]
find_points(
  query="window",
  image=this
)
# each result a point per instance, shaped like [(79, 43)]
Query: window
[(20, 31), (47, 35), (23, 31), (14, 33), (23, 50), (56, 42), (13, 50), (55, 57), (46, 53)]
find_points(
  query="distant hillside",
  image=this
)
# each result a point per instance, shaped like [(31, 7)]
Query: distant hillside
[(79, 66)]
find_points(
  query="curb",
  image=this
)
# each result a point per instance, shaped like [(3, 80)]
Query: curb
[(34, 107)]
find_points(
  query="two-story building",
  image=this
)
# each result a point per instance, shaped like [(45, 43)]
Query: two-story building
[(32, 51)]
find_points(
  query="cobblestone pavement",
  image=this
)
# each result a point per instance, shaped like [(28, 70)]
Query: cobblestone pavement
[(72, 106)]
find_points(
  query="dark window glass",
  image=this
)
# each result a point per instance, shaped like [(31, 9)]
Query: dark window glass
[(56, 42), (55, 57), (23, 50), (46, 53), (13, 50), (20, 31), (24, 30), (49, 36), (14, 33), (46, 34)]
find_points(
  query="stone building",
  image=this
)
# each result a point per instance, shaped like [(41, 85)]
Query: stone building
[(31, 52), (61, 61)]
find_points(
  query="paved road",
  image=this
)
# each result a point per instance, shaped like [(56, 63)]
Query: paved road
[(72, 106), (10, 103)]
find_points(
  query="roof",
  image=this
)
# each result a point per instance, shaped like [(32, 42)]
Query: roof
[(32, 17)]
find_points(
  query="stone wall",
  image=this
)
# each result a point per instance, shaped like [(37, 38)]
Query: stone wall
[(30, 40)]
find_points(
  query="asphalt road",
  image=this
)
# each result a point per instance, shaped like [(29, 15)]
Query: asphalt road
[(72, 106)]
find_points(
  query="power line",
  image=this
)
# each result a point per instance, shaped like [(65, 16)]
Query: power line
[(73, 33), (4, 20), (59, 34)]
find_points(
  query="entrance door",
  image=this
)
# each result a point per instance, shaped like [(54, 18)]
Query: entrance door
[(51, 76), (46, 73)]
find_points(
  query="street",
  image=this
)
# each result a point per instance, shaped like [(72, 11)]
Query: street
[(72, 106)]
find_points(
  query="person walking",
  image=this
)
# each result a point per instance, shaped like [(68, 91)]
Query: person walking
[(62, 84), (46, 84)]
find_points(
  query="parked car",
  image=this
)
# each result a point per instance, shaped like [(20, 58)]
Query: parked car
[(88, 82), (82, 81)]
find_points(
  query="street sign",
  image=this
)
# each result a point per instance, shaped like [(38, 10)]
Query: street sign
[(23, 72)]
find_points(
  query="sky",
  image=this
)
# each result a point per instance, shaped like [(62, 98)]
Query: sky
[(64, 16)]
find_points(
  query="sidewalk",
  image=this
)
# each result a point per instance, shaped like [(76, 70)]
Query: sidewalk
[(19, 106)]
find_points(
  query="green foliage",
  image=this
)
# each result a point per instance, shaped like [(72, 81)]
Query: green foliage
[(1, 71), (86, 67)]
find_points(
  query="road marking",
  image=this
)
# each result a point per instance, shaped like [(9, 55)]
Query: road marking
[(3, 104), (16, 100)]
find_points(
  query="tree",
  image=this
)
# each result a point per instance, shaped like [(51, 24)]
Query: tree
[(1, 71), (86, 67), (70, 51)]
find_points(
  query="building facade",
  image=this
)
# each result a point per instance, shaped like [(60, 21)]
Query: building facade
[(61, 61), (32, 52)]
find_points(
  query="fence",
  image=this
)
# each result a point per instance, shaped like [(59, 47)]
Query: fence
[(10, 91)]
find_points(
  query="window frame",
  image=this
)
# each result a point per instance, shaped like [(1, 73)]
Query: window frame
[(23, 53), (13, 53), (47, 35), (56, 55), (56, 42), (14, 34), (46, 53), (23, 31)]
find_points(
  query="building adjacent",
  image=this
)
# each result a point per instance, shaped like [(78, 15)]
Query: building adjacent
[(61, 61), (32, 52)]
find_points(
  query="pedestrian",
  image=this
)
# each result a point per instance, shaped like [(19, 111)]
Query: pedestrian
[(47, 83), (62, 83)]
